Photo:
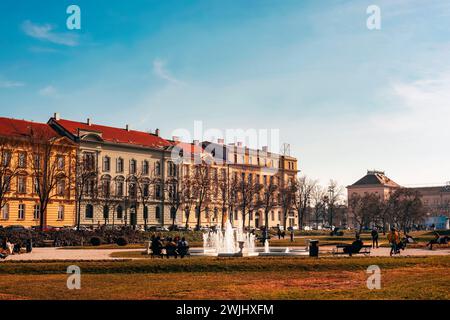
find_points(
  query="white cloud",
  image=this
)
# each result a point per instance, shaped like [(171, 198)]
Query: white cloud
[(46, 32), (48, 91), (159, 68), (10, 84)]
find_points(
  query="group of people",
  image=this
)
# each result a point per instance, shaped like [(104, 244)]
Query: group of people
[(397, 242), (169, 247), (8, 248)]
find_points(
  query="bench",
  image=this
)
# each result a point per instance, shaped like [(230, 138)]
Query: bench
[(365, 250), (48, 243)]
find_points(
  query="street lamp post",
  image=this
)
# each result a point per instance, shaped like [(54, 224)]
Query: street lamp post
[(331, 204)]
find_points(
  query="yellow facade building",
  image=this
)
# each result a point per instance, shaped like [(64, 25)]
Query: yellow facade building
[(34, 158)]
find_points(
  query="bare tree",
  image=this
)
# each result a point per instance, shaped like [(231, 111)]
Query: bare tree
[(51, 159), (268, 202), (8, 169), (364, 209), (407, 208), (201, 189), (86, 176), (248, 190), (318, 201), (223, 184), (303, 188), (106, 199), (334, 195)]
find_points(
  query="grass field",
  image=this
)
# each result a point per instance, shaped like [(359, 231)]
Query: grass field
[(225, 278)]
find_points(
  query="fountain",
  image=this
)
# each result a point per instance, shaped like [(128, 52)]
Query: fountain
[(229, 243)]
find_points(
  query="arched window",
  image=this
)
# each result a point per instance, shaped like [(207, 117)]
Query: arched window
[(158, 213), (119, 212), (106, 164), (89, 211), (145, 167), (133, 166), (158, 168)]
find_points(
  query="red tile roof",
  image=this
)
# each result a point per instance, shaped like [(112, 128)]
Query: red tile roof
[(116, 135), (22, 128)]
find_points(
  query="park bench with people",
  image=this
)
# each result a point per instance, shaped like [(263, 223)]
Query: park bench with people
[(351, 250)]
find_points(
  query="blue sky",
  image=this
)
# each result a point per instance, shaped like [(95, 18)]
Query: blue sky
[(346, 98)]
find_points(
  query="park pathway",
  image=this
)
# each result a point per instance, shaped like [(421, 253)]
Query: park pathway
[(105, 254)]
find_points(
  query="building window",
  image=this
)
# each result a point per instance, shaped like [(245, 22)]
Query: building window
[(272, 215), (119, 188), (236, 216), (22, 184), (61, 162), (6, 159), (7, 183), (158, 168), (21, 212), (36, 211), (106, 164), (145, 190), (61, 213), (36, 185), (279, 215), (145, 212), (61, 187), (132, 190), (172, 168), (89, 211), (158, 191), (133, 166), (105, 212), (22, 163), (37, 161), (5, 212), (119, 165), (158, 213), (145, 167), (119, 212), (89, 161)]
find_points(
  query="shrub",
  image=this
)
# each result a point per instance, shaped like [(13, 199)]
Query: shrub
[(122, 241), (96, 241)]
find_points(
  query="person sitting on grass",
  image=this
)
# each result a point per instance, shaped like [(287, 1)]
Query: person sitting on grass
[(355, 247)]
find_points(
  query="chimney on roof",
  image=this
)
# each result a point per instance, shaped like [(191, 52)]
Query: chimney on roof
[(89, 122), (127, 127), (56, 116), (176, 138), (157, 132), (239, 144), (220, 141), (265, 148)]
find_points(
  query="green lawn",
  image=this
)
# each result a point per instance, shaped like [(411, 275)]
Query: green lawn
[(230, 278)]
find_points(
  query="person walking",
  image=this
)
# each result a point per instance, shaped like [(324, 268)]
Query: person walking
[(374, 235), (394, 239)]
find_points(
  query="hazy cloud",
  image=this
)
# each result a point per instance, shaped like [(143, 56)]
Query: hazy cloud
[(45, 32), (159, 68), (48, 91), (10, 84)]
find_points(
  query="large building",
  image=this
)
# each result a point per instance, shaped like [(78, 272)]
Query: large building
[(436, 200), (128, 170), (119, 176), (36, 175)]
